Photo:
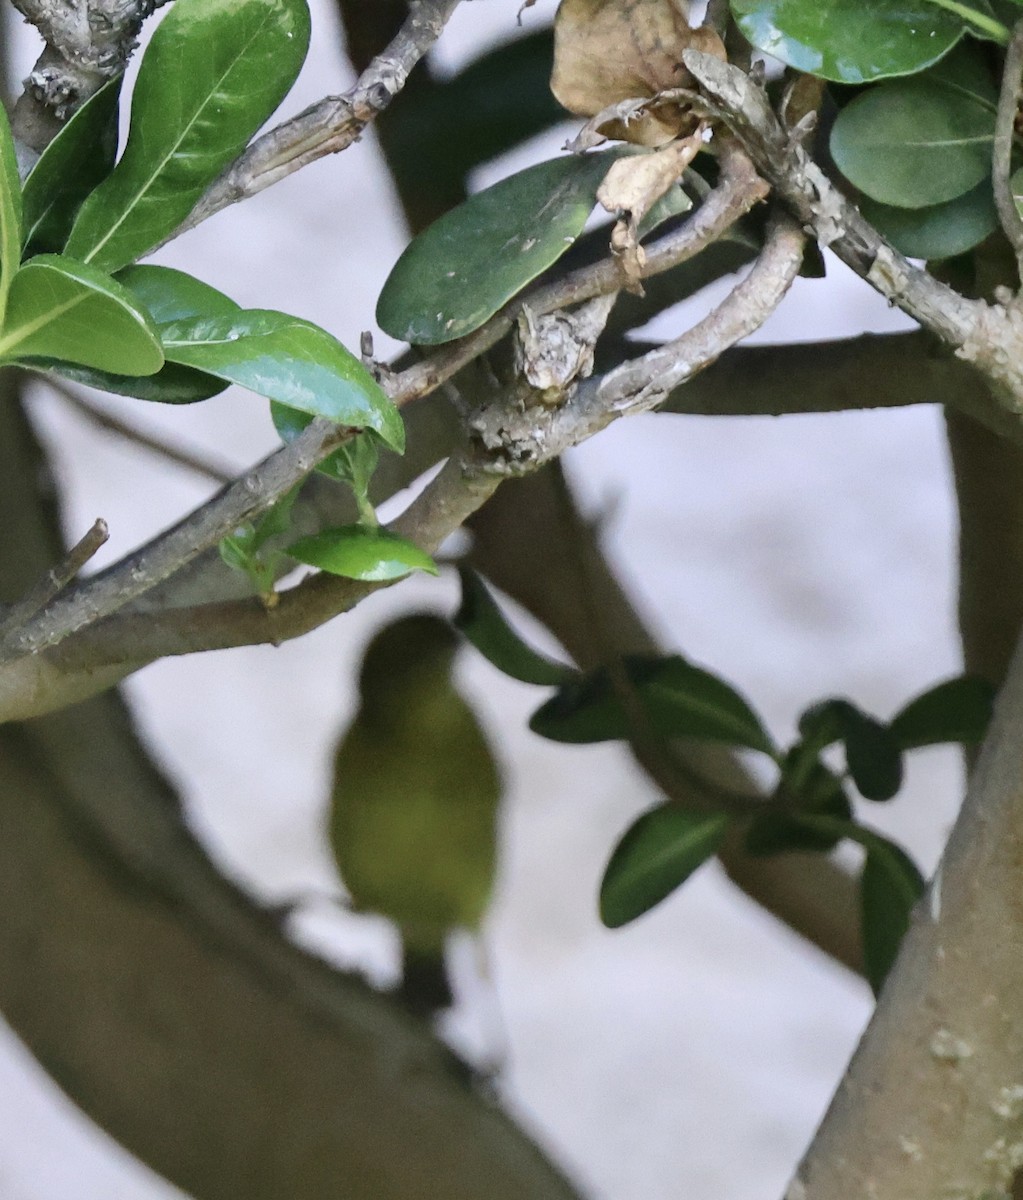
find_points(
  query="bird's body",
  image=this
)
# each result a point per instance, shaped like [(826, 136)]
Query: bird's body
[(414, 806)]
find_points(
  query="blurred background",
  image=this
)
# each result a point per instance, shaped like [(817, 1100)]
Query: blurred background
[(691, 1053)]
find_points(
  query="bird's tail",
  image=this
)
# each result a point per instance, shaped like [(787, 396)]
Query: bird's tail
[(425, 988)]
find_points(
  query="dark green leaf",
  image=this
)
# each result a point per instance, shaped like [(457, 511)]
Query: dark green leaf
[(940, 231), (356, 552), (889, 888), (872, 754), (958, 710), (59, 308), (483, 623), (172, 295), (212, 74), (656, 855), (10, 211), (287, 360), (785, 833), (674, 697), (913, 143), (461, 270), (435, 133), (78, 159), (850, 41)]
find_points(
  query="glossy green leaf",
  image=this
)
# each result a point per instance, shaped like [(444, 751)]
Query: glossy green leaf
[(10, 211), (850, 41), (461, 270), (59, 308), (374, 555), (939, 231), (912, 143), (676, 698), (78, 159), (656, 855), (214, 71), (889, 888), (958, 710), (168, 295), (483, 623), (288, 360)]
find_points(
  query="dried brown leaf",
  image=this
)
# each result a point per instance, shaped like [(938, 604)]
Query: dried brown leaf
[(607, 51), (633, 186)]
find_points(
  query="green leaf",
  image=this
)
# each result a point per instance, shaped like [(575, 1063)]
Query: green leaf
[(872, 754), (288, 360), (850, 41), (889, 888), (214, 71), (958, 710), (375, 555), (913, 143), (78, 159), (656, 855), (676, 698), (455, 275), (483, 623), (63, 309), (939, 231), (10, 211), (168, 295), (786, 833)]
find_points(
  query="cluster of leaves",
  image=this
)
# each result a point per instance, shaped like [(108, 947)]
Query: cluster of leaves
[(918, 92), (810, 807), (73, 303)]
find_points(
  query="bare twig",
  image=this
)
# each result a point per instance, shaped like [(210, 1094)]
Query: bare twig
[(56, 579), (331, 125), (1005, 129), (244, 499), (523, 441), (192, 460)]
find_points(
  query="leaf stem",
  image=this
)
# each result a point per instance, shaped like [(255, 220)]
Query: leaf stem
[(989, 25)]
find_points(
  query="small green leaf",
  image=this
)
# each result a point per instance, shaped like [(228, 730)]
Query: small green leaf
[(78, 159), (939, 231), (10, 211), (913, 143), (785, 833), (460, 271), (172, 295), (850, 41), (483, 623), (958, 710), (656, 855), (212, 74), (677, 699), (64, 309), (288, 360), (374, 555), (890, 886), (872, 754), (353, 463)]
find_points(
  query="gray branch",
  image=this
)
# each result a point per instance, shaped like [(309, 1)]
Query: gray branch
[(1005, 132), (334, 123)]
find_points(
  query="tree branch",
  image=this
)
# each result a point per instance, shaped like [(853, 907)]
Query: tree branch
[(1005, 132), (331, 125), (932, 1103), (87, 43)]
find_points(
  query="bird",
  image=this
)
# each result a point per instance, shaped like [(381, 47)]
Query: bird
[(414, 802)]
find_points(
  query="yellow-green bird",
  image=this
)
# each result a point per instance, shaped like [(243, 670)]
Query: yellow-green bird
[(413, 818)]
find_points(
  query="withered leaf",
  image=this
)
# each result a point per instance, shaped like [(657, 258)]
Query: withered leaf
[(633, 186), (607, 51)]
